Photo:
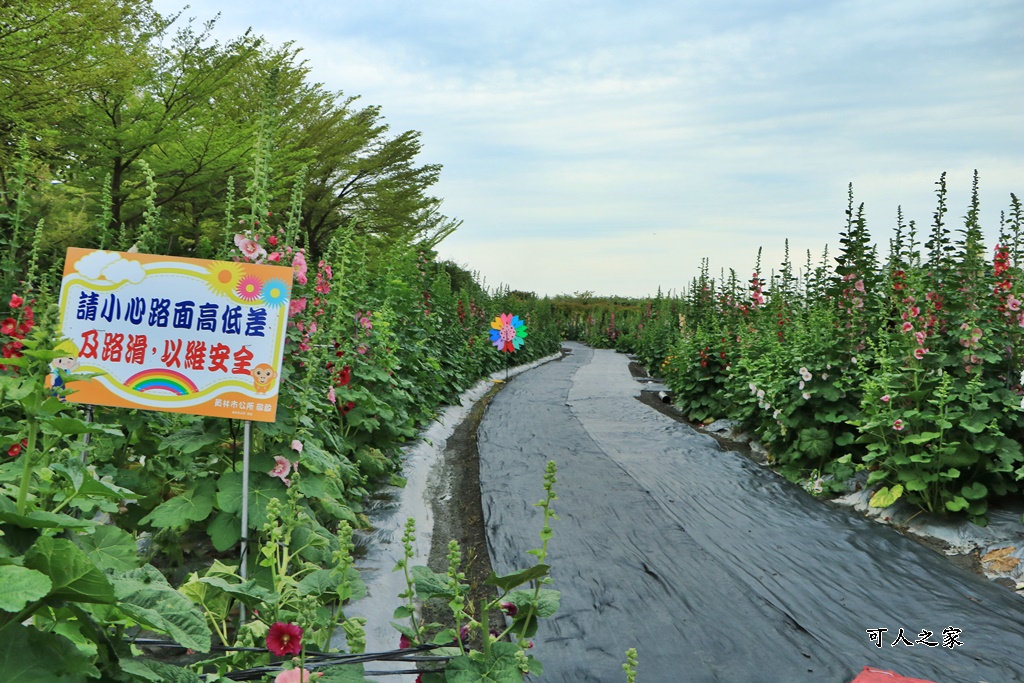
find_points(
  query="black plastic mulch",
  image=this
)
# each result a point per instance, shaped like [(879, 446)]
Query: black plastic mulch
[(713, 567)]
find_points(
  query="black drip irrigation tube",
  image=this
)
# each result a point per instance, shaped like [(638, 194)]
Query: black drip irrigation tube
[(319, 660)]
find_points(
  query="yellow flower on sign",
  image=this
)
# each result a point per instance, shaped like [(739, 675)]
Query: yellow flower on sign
[(224, 277)]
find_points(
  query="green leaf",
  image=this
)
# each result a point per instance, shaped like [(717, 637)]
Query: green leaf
[(975, 423), (975, 491), (28, 654), (510, 581), (957, 504), (72, 425), (110, 548), (923, 437), (250, 593), (145, 596), (40, 519), (225, 530), (430, 584), (193, 505), (545, 606), (19, 586), (189, 440), (159, 672), (815, 442), (884, 497), (500, 668), (845, 439), (75, 577)]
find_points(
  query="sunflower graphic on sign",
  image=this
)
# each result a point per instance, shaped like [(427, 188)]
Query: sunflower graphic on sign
[(508, 332)]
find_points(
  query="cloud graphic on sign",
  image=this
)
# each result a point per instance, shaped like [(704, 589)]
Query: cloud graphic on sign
[(123, 269), (110, 266), (92, 265)]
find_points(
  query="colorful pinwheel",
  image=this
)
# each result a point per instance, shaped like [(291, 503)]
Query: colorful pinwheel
[(508, 332)]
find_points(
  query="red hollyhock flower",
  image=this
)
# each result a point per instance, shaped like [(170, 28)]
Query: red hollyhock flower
[(14, 450), (285, 639), (8, 326), (16, 301)]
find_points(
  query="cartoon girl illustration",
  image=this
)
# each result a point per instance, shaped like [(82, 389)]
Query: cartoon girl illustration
[(67, 361)]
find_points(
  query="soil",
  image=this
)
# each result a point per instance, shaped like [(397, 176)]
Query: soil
[(458, 515)]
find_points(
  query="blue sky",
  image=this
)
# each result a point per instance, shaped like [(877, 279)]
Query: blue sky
[(609, 146)]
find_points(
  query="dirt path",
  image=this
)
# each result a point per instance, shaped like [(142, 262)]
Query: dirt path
[(715, 569)]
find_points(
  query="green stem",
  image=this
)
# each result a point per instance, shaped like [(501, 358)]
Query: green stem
[(26, 473)]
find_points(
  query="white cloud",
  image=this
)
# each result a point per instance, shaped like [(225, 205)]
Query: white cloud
[(676, 130)]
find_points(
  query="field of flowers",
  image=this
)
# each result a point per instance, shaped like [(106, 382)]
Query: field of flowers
[(380, 335), (906, 366)]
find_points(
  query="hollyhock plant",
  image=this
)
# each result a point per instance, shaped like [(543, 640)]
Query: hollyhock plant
[(281, 469), (16, 301), (300, 267), (898, 425), (251, 249), (284, 639)]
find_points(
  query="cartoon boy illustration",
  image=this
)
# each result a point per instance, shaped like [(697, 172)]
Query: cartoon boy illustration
[(67, 361), (263, 378)]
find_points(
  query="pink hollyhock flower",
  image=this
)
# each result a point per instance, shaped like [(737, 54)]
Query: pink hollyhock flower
[(300, 267), (281, 469), (806, 396), (366, 323), (293, 676), (919, 352), (275, 257), (1013, 304), (886, 398), (361, 350), (297, 445), (509, 608), (16, 301), (284, 639), (898, 425), (859, 285), (272, 241), (907, 327), (331, 396), (296, 306), (920, 336), (250, 249), (914, 311)]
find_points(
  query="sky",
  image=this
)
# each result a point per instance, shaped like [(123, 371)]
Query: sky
[(609, 147)]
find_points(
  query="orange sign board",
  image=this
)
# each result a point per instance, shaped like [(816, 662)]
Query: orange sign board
[(175, 334)]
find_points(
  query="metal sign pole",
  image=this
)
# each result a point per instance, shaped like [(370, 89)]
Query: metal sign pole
[(246, 439)]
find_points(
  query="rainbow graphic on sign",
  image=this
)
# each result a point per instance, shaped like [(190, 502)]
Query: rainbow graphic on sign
[(161, 379)]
